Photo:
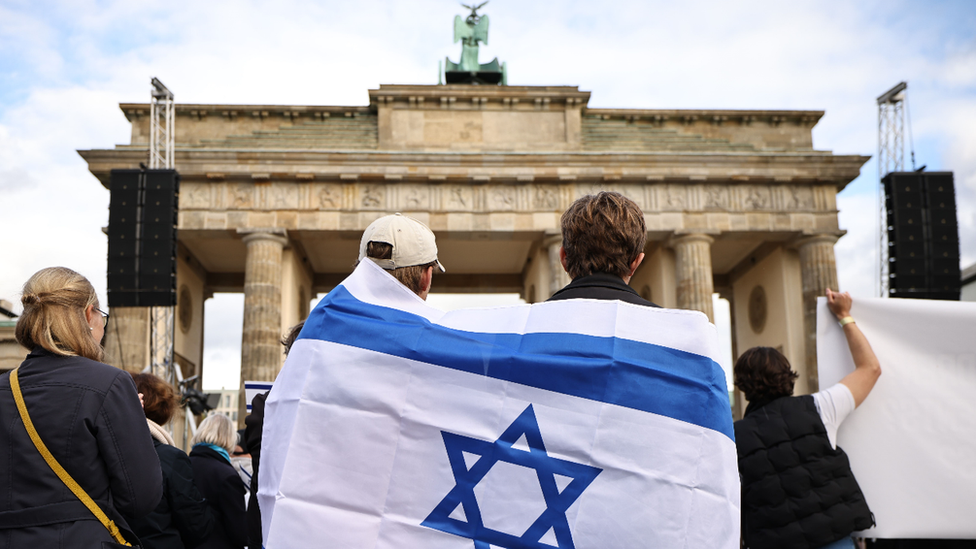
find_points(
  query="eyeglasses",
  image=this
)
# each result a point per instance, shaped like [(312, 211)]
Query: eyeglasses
[(104, 315)]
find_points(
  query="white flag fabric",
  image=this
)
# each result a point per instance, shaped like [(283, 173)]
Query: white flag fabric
[(569, 424), (912, 442)]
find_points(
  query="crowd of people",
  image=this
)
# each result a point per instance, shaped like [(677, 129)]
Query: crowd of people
[(88, 461)]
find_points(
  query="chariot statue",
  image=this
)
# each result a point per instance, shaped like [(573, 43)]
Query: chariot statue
[(471, 32)]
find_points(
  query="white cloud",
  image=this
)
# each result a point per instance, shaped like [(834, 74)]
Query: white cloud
[(960, 155), (857, 252)]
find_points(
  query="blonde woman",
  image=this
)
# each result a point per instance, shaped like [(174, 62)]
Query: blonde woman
[(87, 414), (219, 482)]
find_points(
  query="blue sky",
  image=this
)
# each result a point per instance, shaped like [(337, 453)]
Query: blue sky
[(65, 67)]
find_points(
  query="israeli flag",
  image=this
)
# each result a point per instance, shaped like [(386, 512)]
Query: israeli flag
[(571, 424)]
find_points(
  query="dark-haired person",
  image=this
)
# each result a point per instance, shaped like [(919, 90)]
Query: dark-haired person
[(603, 244), (182, 519), (87, 414), (254, 423), (798, 490)]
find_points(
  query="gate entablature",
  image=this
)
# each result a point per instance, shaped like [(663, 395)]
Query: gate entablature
[(733, 200)]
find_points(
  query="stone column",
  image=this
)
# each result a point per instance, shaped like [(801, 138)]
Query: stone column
[(261, 350), (818, 271), (126, 340), (558, 277), (693, 269)]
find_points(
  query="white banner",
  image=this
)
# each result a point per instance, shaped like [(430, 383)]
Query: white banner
[(912, 443), (253, 389), (579, 423)]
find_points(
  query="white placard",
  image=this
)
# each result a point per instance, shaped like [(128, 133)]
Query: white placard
[(253, 389), (912, 442)]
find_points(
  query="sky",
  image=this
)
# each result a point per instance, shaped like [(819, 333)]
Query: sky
[(66, 65)]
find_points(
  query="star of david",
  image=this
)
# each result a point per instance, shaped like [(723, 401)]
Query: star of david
[(552, 523)]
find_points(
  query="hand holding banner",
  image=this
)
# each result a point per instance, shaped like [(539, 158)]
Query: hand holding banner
[(911, 443)]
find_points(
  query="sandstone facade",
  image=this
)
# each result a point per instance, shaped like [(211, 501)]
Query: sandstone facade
[(274, 199)]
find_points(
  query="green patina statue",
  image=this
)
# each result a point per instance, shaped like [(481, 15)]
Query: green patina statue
[(471, 31)]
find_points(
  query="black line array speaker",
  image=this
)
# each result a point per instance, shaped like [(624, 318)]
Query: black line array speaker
[(143, 208), (923, 236)]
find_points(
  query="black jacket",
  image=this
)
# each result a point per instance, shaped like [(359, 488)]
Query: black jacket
[(89, 416), (224, 490), (797, 491), (600, 286), (254, 423), (183, 518)]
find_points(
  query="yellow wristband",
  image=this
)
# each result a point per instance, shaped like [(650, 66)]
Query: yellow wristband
[(846, 320)]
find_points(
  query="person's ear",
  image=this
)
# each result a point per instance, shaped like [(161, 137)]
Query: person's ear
[(427, 278), (636, 263), (562, 258)]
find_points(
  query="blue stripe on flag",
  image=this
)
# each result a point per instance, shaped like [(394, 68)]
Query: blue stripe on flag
[(632, 374)]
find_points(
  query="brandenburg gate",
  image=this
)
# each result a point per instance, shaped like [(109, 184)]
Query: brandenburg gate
[(274, 199)]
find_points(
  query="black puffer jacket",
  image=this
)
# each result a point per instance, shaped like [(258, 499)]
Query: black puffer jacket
[(797, 491), (89, 416), (224, 490), (183, 519)]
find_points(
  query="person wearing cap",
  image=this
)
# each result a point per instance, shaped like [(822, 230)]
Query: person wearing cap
[(603, 244), (405, 248)]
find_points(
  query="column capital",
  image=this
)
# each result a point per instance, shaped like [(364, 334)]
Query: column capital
[(552, 239), (806, 240), (679, 238), (274, 234)]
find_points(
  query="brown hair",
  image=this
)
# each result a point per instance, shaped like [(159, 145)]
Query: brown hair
[(291, 336), (158, 397), (54, 302), (763, 373), (602, 233), (408, 276)]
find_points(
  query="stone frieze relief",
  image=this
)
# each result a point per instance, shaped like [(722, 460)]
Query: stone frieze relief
[(716, 197), (195, 196), (757, 198), (415, 197), (459, 197), (329, 197), (241, 196), (546, 197), (499, 197), (283, 196), (371, 196), (502, 198)]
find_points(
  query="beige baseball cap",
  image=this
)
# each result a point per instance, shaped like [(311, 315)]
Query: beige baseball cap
[(413, 243)]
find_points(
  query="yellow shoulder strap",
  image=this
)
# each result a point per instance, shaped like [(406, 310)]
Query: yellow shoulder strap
[(56, 467)]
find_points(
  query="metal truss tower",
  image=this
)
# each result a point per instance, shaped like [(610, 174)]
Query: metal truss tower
[(160, 127), (891, 158), (163, 319)]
